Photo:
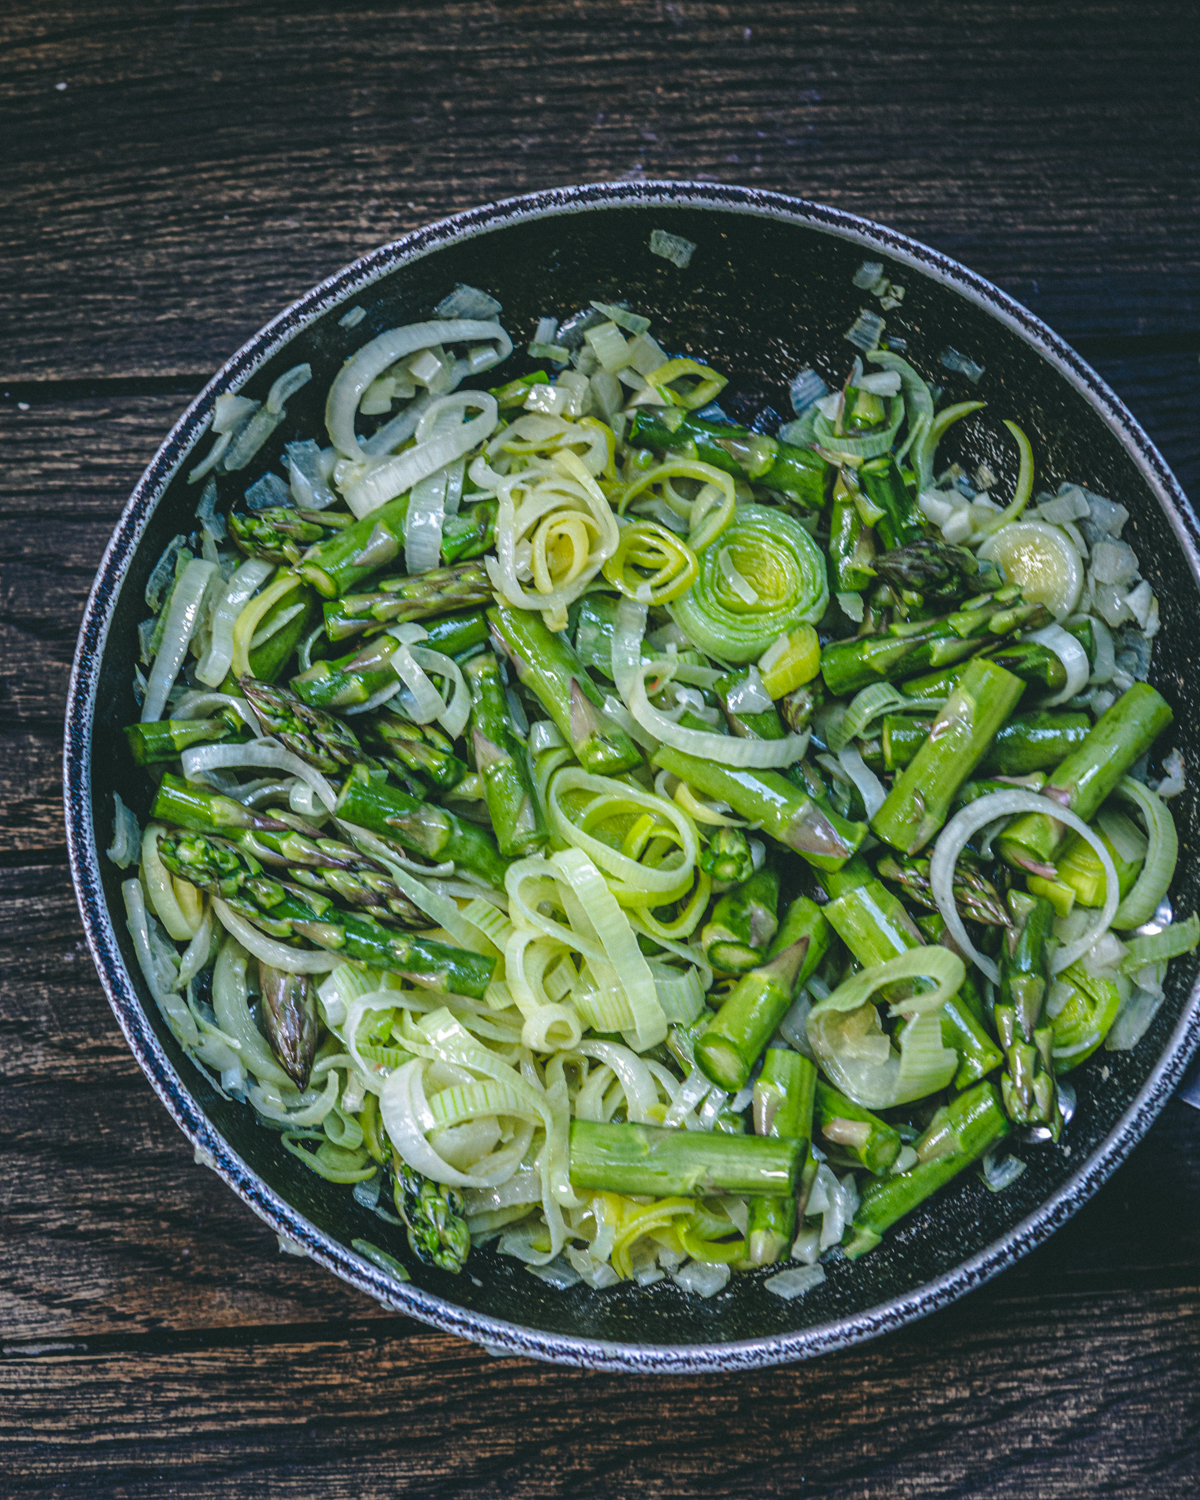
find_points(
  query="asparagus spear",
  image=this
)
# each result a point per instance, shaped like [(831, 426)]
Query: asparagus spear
[(420, 750), (282, 533), (282, 629), (386, 811), (548, 665), (217, 866), (335, 565), (634, 1159), (783, 1106), (418, 596), (196, 807), (743, 922), (471, 533), (733, 1040), (290, 1020), (1028, 742), (1032, 662), (763, 725), (796, 708), (865, 1139), (355, 678), (920, 799), (974, 1121), (797, 472), (904, 650), (851, 543), (435, 1217), (900, 523), (727, 855), (974, 894), (935, 570), (501, 760), (315, 736), (1120, 737), (166, 738), (785, 812), (1030, 1097)]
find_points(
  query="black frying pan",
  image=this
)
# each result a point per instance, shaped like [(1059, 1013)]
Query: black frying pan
[(768, 290)]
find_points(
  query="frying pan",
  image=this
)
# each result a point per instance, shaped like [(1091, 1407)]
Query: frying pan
[(769, 289)]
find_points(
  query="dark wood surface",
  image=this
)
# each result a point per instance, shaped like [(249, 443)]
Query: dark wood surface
[(204, 164)]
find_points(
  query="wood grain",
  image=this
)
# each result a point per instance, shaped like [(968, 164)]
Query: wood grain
[(205, 164), (211, 162)]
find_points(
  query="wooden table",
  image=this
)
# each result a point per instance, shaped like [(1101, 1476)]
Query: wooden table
[(171, 175)]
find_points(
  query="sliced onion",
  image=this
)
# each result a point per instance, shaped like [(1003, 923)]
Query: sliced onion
[(265, 756), (748, 696), (428, 704), (1106, 655), (423, 522), (454, 718), (377, 485), (277, 955), (374, 358), (870, 788), (183, 616), (1073, 657), (629, 672), (1162, 854), (1040, 559), (966, 823), (241, 588)]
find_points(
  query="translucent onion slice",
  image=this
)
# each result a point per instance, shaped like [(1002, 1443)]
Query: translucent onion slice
[(966, 823), (1158, 869), (454, 717), (870, 788), (1073, 657), (374, 358), (183, 616), (423, 523), (377, 485), (242, 587), (265, 756), (629, 673), (278, 955), (1041, 560)]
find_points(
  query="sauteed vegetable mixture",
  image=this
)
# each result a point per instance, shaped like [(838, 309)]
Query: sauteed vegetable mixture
[(659, 846)]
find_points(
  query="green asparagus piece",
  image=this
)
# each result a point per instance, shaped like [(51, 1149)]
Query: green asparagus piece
[(733, 1040), (784, 812), (355, 678), (284, 911), (1028, 742), (921, 797), (650, 1159), (851, 543), (763, 725), (1035, 664), (514, 392), (863, 1138), (471, 533), (783, 1106), (435, 1217), (974, 894), (315, 736), (202, 810), (394, 815), (501, 760), (875, 926), (1030, 1097), (283, 533), (1120, 737), (743, 922), (974, 1121), (408, 749), (900, 523), (936, 570), (282, 631), (904, 650), (335, 565), (796, 708), (166, 738), (548, 666), (289, 1018), (418, 596), (797, 472), (727, 855)]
